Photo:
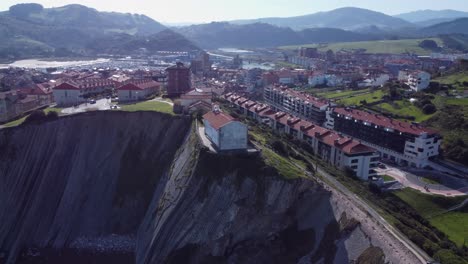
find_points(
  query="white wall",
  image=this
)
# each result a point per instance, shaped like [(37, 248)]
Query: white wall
[(68, 97), (131, 95), (211, 133), (233, 136)]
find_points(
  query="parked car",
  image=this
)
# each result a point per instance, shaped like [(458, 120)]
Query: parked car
[(92, 101)]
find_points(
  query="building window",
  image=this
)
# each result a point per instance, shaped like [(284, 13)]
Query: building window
[(354, 161)]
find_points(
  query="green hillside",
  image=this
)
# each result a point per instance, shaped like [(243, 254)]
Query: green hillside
[(378, 46)]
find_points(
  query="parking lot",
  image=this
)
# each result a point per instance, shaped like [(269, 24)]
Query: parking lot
[(441, 183), (101, 104)]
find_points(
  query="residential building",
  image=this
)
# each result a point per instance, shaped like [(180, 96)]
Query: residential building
[(179, 80), (374, 80), (77, 91), (334, 148), (224, 131), (285, 77), (308, 52), (7, 105), (317, 79), (418, 80), (137, 90), (300, 104), (42, 91), (198, 99), (13, 104), (404, 143), (269, 78)]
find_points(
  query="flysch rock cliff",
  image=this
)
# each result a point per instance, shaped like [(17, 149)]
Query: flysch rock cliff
[(82, 179), (235, 209), (85, 176)]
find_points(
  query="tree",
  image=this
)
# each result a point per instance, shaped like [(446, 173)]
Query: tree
[(23, 10), (429, 44), (429, 109), (52, 115), (36, 117)]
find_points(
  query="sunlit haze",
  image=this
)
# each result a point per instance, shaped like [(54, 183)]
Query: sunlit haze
[(215, 10)]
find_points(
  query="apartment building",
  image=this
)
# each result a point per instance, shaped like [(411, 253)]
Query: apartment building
[(334, 148), (405, 143), (296, 103)]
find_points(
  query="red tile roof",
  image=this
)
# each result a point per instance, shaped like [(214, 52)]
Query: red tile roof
[(304, 97), (346, 144), (218, 119), (138, 85), (66, 86), (384, 122)]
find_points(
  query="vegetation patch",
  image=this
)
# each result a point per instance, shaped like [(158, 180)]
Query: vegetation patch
[(378, 46), (149, 106), (434, 207), (404, 108), (368, 98), (372, 255), (430, 180), (387, 178)]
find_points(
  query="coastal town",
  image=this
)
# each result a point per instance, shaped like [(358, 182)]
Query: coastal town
[(287, 98), (251, 133)]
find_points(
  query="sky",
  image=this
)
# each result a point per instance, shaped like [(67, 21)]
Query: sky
[(199, 11)]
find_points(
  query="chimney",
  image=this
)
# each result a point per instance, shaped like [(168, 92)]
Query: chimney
[(336, 142), (216, 109)]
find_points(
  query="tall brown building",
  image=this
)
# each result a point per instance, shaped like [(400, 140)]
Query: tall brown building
[(178, 80)]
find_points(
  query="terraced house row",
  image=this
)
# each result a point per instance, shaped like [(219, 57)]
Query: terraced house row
[(336, 149), (408, 144), (297, 103)]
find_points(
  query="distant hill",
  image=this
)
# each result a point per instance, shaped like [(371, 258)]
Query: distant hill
[(458, 26), (435, 21), (223, 34), (428, 15), (28, 30), (348, 18), (457, 42)]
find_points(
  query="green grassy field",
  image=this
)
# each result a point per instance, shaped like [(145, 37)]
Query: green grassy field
[(369, 98), (148, 106), (456, 80), (19, 121), (432, 207), (404, 108), (454, 224), (287, 167), (383, 46), (388, 178), (347, 93)]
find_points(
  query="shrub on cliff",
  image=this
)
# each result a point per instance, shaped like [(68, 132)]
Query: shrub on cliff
[(36, 116), (39, 116)]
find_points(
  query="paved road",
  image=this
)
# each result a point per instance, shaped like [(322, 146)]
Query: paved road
[(159, 99), (410, 180), (101, 104), (204, 139), (418, 253)]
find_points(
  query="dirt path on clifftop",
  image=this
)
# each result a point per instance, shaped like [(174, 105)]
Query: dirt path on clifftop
[(382, 234)]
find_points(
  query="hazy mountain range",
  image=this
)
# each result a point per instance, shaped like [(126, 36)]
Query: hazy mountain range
[(348, 18), (340, 25), (223, 34), (29, 30), (432, 17)]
